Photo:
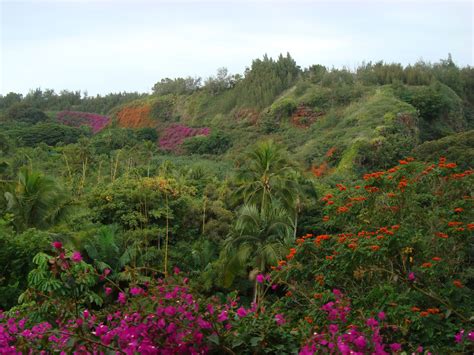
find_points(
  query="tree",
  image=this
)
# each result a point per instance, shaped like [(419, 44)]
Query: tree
[(9, 99), (177, 86), (266, 178), (36, 201), (23, 112), (259, 239), (221, 82)]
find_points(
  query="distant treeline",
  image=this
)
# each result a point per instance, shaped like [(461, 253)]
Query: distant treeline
[(261, 83)]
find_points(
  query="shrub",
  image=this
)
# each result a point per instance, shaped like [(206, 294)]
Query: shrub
[(147, 134), (76, 119), (23, 112), (163, 108), (215, 143), (174, 135), (49, 133)]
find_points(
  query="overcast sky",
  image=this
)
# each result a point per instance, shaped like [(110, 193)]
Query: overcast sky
[(111, 46)]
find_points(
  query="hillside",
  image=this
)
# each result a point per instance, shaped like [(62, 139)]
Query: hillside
[(285, 210)]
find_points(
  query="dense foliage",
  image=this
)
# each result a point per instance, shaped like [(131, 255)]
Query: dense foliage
[(255, 213)]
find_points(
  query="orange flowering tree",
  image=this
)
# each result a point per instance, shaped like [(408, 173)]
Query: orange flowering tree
[(403, 246)]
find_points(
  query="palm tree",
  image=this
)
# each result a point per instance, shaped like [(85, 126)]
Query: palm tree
[(36, 201), (266, 177), (259, 239)]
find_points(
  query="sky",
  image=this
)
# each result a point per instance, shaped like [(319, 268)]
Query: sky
[(112, 46)]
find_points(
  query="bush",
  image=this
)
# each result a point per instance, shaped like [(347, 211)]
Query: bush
[(162, 109), (22, 112), (77, 119), (215, 143), (174, 135), (48, 133), (147, 134)]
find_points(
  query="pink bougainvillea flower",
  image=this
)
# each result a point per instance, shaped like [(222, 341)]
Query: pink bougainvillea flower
[(122, 298), (241, 312), (76, 257), (411, 276), (458, 337), (135, 291), (222, 316), (279, 319), (395, 347), (260, 278), (57, 245)]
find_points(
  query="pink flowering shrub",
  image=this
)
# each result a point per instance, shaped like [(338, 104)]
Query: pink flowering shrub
[(77, 119), (166, 316), (174, 135)]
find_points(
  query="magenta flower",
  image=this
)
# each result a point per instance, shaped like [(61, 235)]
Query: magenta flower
[(395, 347), (108, 291), (333, 329), (122, 298), (176, 270), (458, 336), (76, 257), (411, 276), (222, 316), (470, 336), (241, 312), (372, 322), (360, 342), (381, 315), (260, 278), (135, 291), (57, 245), (86, 314), (210, 308), (279, 319)]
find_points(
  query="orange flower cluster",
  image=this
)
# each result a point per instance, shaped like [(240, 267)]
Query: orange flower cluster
[(319, 279), (458, 284), (342, 209), (403, 183), (442, 235), (320, 170), (427, 312), (371, 189), (442, 164), (376, 175), (341, 187), (358, 198), (135, 117), (292, 253), (320, 238), (462, 175), (374, 247)]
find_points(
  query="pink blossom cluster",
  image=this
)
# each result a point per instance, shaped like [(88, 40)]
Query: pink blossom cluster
[(174, 135), (338, 337), (76, 119)]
